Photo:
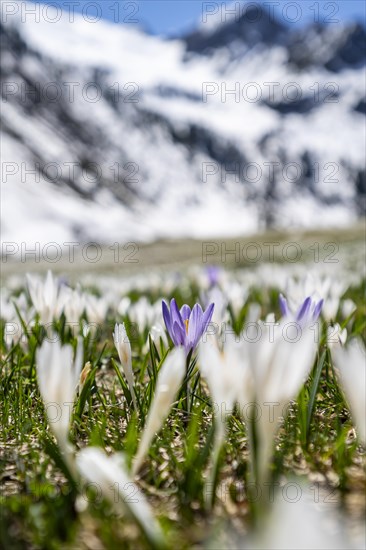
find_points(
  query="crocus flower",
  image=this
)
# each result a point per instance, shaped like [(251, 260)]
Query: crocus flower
[(308, 312), (96, 308), (58, 376), (213, 273), (123, 346), (48, 297), (330, 288), (74, 305), (287, 524), (279, 362), (221, 312), (227, 376), (186, 326), (169, 379), (351, 364), (109, 474), (347, 308), (336, 336), (157, 333)]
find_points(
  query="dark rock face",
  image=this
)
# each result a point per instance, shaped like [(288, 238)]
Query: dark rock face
[(252, 26), (361, 107)]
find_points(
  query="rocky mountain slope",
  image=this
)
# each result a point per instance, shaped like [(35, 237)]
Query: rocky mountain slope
[(112, 134)]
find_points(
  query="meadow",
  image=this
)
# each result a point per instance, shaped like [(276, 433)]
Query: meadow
[(126, 425)]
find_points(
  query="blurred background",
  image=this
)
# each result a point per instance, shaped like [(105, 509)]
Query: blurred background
[(144, 120)]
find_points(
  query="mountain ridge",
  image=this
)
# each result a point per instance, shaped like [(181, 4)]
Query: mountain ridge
[(153, 157)]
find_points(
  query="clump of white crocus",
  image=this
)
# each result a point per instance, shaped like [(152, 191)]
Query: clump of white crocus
[(315, 286), (157, 335), (123, 306), (58, 376), (96, 308), (168, 382), (237, 295), (109, 474), (227, 375), (48, 297), (220, 313), (336, 336), (123, 346), (10, 310), (333, 299), (142, 313), (347, 308), (74, 305), (280, 360), (350, 362)]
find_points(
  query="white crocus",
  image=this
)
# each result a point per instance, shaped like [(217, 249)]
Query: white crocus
[(58, 376), (48, 298), (220, 313), (123, 346), (74, 305), (336, 336), (169, 380), (14, 329), (227, 376), (123, 306), (347, 308), (157, 333), (295, 521), (351, 365), (280, 361), (333, 299), (237, 295), (330, 289), (96, 308), (109, 474)]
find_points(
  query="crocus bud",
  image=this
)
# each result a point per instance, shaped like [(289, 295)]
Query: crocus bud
[(110, 475), (158, 333), (123, 347), (336, 336), (58, 374), (170, 378), (84, 375), (351, 364)]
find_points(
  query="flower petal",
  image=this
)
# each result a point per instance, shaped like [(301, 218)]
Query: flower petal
[(283, 305), (207, 316), (175, 315), (167, 318), (304, 309), (195, 327), (317, 310), (179, 335), (185, 312)]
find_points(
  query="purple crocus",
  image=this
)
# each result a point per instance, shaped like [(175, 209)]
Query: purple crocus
[(213, 273), (186, 326), (308, 312)]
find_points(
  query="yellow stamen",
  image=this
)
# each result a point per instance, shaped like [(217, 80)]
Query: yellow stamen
[(186, 322)]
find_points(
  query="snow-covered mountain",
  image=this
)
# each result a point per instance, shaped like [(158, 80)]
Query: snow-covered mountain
[(109, 133)]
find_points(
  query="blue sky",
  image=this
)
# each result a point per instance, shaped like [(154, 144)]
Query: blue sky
[(167, 17)]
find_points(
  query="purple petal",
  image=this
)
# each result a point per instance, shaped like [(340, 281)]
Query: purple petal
[(207, 316), (195, 325), (179, 335), (303, 309), (166, 316), (283, 305), (213, 274), (175, 315), (317, 310), (185, 312)]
